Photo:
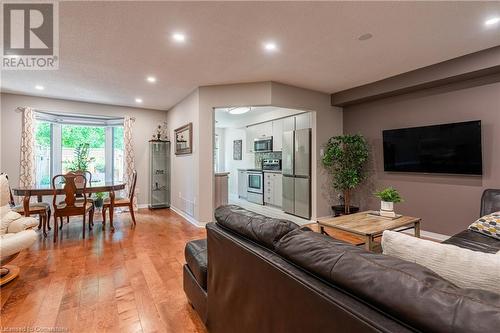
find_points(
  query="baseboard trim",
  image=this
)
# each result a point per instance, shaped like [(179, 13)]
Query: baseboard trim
[(187, 217), (429, 235), (140, 206)]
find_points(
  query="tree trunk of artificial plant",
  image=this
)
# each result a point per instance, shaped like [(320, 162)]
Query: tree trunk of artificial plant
[(347, 201)]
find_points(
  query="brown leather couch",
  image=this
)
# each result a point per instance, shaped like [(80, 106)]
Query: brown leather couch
[(269, 275)]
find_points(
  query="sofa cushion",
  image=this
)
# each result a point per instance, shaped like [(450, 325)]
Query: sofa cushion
[(405, 290), (7, 217), (455, 264), (475, 241), (264, 230), (195, 253), (488, 225)]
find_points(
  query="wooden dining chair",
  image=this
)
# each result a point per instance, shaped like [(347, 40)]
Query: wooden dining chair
[(71, 206), (42, 209), (122, 202), (79, 196)]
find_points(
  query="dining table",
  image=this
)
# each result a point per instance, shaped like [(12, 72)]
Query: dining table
[(47, 190)]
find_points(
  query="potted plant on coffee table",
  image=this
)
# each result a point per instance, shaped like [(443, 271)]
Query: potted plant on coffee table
[(388, 196), (344, 158)]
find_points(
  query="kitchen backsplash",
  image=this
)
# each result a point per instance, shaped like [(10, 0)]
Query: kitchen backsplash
[(264, 156)]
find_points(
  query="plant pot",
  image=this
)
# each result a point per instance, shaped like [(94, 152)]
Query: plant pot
[(98, 203), (340, 210), (387, 206)]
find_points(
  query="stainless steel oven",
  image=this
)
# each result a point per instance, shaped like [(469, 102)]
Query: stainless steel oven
[(263, 144), (255, 188)]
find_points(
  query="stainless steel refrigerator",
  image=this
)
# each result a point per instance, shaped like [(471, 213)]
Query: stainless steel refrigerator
[(296, 167)]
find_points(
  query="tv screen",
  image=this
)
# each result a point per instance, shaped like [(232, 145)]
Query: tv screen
[(448, 148)]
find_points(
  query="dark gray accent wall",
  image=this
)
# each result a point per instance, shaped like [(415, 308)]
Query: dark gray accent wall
[(446, 203)]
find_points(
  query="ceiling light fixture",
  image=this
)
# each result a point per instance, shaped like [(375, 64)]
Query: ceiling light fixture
[(365, 37), (239, 110), (492, 21), (270, 46), (39, 87), (138, 100), (151, 79), (179, 37)]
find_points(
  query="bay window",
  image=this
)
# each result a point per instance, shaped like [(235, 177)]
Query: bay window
[(59, 136)]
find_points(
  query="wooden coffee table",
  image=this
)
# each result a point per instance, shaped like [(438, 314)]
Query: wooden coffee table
[(369, 227)]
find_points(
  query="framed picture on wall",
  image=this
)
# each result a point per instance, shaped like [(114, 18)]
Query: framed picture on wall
[(184, 139), (237, 150)]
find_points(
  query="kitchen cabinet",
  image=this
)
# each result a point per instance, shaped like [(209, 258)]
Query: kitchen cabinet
[(242, 184), (289, 124), (273, 189), (263, 130), (303, 121), (277, 134), (250, 138)]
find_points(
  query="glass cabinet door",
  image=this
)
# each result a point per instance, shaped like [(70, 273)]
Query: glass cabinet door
[(159, 186)]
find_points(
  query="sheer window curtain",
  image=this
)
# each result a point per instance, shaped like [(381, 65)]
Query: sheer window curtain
[(129, 158), (27, 175)]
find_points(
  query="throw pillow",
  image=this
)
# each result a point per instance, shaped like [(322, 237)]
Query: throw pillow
[(6, 217), (488, 225), (463, 267)]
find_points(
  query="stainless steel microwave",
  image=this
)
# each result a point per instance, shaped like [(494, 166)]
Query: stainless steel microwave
[(263, 144)]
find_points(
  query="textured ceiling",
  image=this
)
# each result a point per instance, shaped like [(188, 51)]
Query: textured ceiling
[(108, 48)]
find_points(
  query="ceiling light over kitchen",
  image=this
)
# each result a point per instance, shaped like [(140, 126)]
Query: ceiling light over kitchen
[(151, 79), (270, 46), (239, 110), (138, 100), (492, 21), (179, 37), (39, 87)]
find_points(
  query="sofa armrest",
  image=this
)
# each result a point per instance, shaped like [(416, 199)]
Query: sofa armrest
[(21, 224), (13, 243)]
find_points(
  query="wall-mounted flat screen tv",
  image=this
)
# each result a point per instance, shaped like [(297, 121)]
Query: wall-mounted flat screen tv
[(448, 148)]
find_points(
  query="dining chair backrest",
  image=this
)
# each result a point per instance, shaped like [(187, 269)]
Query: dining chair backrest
[(71, 190), (6, 197), (131, 191), (87, 175)]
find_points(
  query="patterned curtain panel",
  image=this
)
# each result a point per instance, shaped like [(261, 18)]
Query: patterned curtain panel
[(129, 159), (27, 163)]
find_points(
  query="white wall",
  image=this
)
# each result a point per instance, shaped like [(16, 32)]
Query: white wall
[(145, 123), (185, 168), (232, 166)]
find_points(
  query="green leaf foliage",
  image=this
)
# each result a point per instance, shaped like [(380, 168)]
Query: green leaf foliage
[(82, 160), (389, 194), (345, 157)]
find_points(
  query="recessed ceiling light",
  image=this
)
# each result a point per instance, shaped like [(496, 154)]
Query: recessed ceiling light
[(179, 37), (270, 46), (365, 36), (492, 21), (138, 100), (39, 87), (239, 110), (151, 79)]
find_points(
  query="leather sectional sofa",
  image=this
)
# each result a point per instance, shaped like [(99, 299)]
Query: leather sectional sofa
[(270, 275)]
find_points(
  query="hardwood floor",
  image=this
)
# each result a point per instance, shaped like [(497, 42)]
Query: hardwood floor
[(126, 281)]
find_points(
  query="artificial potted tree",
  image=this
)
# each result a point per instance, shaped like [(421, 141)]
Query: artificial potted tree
[(344, 158), (388, 197)]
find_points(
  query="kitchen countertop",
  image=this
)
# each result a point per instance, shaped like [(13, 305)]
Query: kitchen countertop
[(266, 171), (273, 171)]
